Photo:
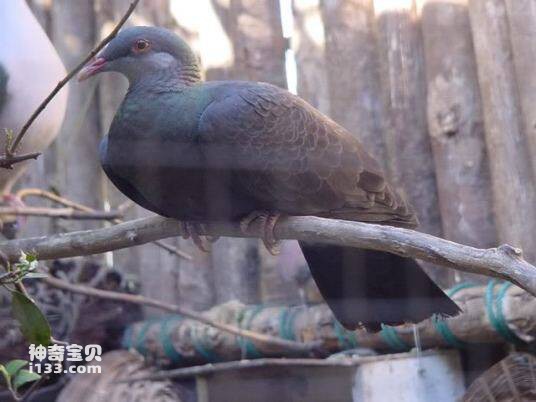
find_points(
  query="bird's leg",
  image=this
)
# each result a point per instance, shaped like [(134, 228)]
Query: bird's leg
[(268, 221), (191, 230)]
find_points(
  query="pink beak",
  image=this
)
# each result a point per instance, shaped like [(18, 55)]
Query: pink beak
[(92, 68)]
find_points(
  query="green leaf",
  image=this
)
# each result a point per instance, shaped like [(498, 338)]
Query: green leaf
[(35, 275), (6, 375), (24, 377), (33, 324), (15, 365)]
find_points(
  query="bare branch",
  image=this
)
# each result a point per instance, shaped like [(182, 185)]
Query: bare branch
[(36, 192), (64, 81), (64, 213), (503, 262), (142, 300), (7, 161)]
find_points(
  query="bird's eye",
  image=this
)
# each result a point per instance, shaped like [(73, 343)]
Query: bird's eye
[(141, 45)]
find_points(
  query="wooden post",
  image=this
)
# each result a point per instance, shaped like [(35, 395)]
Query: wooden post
[(78, 172), (522, 28), (404, 90), (352, 71), (511, 170), (456, 125), (309, 45), (253, 30)]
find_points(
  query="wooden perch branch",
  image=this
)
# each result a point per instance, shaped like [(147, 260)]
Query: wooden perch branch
[(10, 158), (504, 262)]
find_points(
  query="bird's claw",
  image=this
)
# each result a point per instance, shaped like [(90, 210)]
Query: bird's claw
[(268, 221), (192, 229)]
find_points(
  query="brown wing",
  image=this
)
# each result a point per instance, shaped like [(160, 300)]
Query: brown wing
[(293, 159)]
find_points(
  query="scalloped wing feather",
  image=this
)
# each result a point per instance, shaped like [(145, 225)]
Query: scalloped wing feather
[(293, 159)]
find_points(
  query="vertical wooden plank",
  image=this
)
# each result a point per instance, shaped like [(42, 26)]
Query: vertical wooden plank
[(309, 45), (236, 270), (511, 170), (252, 28), (78, 171), (522, 27), (404, 90), (38, 174), (352, 71), (456, 124), (235, 262)]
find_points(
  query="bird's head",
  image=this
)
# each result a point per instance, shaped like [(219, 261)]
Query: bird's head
[(143, 51)]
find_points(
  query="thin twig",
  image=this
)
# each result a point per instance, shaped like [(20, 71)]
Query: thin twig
[(9, 160), (63, 213), (36, 192), (5, 262), (142, 300), (504, 262), (173, 250), (70, 75)]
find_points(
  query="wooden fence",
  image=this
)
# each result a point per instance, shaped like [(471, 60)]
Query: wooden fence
[(442, 92)]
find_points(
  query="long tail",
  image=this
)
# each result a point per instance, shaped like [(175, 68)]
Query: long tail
[(368, 288)]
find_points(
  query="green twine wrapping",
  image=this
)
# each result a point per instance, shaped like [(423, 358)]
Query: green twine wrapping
[(441, 325), (391, 338), (199, 345), (246, 344), (346, 339), (126, 342), (165, 339), (496, 315), (286, 323), (139, 343)]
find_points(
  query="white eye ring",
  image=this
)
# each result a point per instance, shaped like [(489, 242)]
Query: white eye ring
[(142, 45)]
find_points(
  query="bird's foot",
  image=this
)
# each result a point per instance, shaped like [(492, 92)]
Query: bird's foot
[(192, 229), (268, 221)]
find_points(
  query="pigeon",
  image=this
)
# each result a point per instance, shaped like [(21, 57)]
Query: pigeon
[(240, 151), (32, 68)]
